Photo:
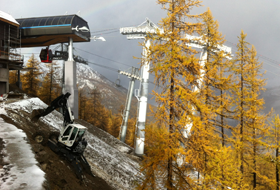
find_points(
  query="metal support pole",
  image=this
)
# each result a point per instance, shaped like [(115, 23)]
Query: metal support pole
[(140, 133), (63, 73), (70, 50), (71, 80), (18, 83), (127, 107), (62, 79)]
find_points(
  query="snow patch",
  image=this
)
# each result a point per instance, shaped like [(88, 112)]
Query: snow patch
[(123, 149), (112, 164), (54, 119), (28, 105), (22, 171)]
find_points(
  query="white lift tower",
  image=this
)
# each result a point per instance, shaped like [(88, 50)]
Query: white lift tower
[(135, 33), (140, 32)]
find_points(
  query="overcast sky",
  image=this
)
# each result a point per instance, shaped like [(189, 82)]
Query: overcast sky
[(258, 18)]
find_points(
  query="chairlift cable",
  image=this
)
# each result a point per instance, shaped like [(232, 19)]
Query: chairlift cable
[(103, 57), (104, 30), (102, 33)]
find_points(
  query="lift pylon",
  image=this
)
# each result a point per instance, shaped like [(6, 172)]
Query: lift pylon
[(133, 74)]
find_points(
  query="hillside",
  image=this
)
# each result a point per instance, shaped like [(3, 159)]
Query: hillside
[(111, 161), (112, 96)]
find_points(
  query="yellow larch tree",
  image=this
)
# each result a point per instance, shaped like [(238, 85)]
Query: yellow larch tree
[(180, 107), (217, 80), (252, 123), (31, 80), (131, 126), (256, 121), (50, 88), (270, 164), (117, 122), (82, 104), (13, 76), (240, 91), (275, 146)]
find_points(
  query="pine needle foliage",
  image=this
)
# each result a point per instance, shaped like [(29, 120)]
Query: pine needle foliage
[(215, 82), (276, 122), (240, 69), (250, 133), (177, 71), (217, 77), (50, 88), (271, 162), (31, 78), (13, 77)]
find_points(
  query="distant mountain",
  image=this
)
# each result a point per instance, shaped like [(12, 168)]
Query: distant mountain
[(112, 96)]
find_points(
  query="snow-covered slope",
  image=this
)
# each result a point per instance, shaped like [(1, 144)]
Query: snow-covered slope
[(112, 96), (85, 74), (109, 158)]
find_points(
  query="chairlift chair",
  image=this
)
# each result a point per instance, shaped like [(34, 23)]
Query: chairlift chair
[(118, 82)]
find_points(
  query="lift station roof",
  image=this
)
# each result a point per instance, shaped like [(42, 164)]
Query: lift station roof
[(45, 31)]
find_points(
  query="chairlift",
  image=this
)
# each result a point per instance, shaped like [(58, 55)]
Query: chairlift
[(46, 55), (60, 55), (118, 82)]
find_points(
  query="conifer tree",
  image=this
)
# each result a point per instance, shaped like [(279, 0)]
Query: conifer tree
[(131, 125), (252, 126), (271, 163), (82, 104), (177, 69), (30, 82), (217, 77), (216, 83), (276, 132), (50, 88), (155, 149), (255, 120), (240, 68), (13, 77), (117, 122)]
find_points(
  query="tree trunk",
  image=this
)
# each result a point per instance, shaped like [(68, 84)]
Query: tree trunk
[(171, 123), (171, 120), (255, 163), (277, 170), (241, 116)]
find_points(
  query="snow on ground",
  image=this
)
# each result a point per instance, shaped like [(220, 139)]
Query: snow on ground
[(108, 157), (54, 119), (112, 164), (22, 171), (87, 72), (27, 105)]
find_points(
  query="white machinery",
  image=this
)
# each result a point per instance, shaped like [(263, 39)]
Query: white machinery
[(69, 142)]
